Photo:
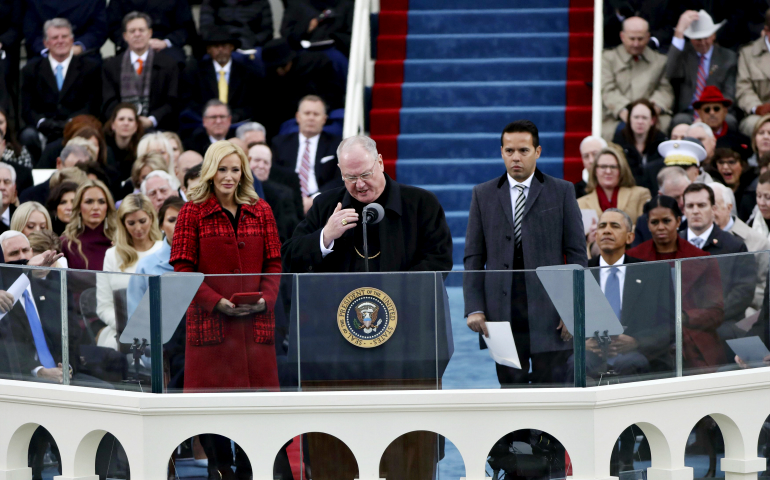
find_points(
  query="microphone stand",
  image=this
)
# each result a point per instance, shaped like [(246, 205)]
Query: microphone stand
[(366, 242)]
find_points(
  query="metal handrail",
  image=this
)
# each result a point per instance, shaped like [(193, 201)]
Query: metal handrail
[(359, 68)]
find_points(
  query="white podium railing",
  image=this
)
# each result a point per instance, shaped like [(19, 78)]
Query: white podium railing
[(587, 421)]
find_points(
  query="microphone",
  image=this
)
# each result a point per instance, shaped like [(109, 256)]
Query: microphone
[(373, 213)]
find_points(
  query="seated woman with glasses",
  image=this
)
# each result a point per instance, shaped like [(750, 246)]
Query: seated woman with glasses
[(611, 185), (736, 174)]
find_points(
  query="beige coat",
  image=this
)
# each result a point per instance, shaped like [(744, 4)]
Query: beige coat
[(755, 242), (625, 80), (752, 88), (630, 199)]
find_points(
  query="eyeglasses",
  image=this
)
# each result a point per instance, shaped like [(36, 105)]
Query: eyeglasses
[(611, 168), (731, 162), (364, 176), (218, 118), (715, 108)]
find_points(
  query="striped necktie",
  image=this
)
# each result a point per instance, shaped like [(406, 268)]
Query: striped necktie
[(518, 215), (701, 82), (304, 170)]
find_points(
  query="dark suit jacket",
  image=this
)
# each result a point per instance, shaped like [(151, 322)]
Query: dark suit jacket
[(80, 93), (169, 19), (199, 141), (682, 72), (47, 297), (281, 200), (327, 174), (414, 235), (650, 175), (39, 193), (164, 89), (647, 312), (3, 227), (552, 231), (289, 178), (201, 85), (738, 273)]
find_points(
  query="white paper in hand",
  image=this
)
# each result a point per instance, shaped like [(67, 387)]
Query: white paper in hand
[(17, 290), (500, 343)]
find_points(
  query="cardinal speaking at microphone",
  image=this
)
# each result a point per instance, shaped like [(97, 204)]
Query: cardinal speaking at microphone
[(406, 231), (412, 236)]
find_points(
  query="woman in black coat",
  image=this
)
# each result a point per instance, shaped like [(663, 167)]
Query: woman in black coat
[(640, 138)]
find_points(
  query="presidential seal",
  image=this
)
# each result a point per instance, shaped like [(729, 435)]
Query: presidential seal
[(367, 317)]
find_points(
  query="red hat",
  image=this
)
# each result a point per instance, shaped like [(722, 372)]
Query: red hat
[(711, 94)]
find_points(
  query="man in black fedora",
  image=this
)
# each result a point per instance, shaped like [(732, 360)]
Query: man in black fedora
[(290, 76), (221, 76)]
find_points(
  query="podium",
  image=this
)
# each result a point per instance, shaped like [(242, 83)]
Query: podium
[(408, 346), (414, 305)]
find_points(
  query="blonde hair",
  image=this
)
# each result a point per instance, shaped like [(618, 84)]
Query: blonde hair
[(152, 160), (76, 227), (84, 143), (124, 243), (21, 215), (244, 192), (68, 174), (44, 240), (763, 120), (144, 146), (626, 178)]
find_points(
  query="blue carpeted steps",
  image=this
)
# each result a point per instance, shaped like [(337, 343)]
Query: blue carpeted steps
[(471, 67)]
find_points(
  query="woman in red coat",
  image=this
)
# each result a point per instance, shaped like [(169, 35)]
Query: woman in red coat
[(702, 303), (226, 229)]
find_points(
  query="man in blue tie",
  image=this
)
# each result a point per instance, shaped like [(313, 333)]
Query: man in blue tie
[(57, 87), (639, 295), (32, 325)]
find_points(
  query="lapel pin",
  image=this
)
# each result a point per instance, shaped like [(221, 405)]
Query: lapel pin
[(716, 241), (638, 281), (42, 298)]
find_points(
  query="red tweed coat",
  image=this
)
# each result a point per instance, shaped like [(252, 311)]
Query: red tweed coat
[(204, 242)]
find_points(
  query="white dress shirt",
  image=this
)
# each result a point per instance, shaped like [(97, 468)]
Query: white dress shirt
[(6, 217), (65, 65), (219, 68), (515, 191), (604, 274), (705, 235), (312, 183)]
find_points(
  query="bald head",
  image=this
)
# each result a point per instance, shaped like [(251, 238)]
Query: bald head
[(635, 35), (185, 162)]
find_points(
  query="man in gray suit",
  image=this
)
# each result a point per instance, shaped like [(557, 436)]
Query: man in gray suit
[(693, 66), (522, 220)]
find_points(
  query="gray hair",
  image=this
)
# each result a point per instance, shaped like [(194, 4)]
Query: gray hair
[(144, 147), (10, 169), (669, 174), (704, 127), (593, 138), (173, 182), (55, 23), (247, 127), (78, 150), (358, 141), (727, 195), (626, 218), (7, 235), (215, 102), (131, 16)]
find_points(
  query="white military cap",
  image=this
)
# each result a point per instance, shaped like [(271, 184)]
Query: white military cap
[(681, 153)]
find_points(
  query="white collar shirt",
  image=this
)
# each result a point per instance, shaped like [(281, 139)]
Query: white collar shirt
[(219, 68), (604, 274), (703, 236), (134, 57), (312, 182), (515, 191), (6, 217), (65, 65)]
